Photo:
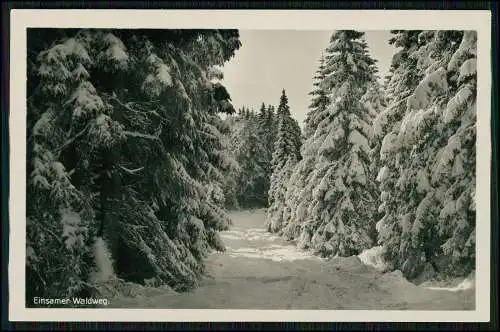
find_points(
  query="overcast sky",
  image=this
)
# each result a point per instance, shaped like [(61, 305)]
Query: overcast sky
[(272, 60)]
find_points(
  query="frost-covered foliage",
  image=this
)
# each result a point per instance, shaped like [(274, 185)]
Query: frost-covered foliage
[(428, 153), (125, 145), (285, 155), (330, 196), (251, 145), (375, 102)]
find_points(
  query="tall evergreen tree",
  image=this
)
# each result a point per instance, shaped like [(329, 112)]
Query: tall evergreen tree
[(375, 102), (319, 103), (292, 140), (429, 178), (330, 196), (286, 154), (403, 79), (125, 150), (288, 139)]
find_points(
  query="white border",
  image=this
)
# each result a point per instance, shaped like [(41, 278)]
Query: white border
[(247, 19)]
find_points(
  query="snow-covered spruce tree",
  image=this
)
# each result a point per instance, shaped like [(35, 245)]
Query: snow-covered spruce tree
[(60, 209), (431, 182), (454, 167), (404, 183), (319, 102), (295, 196), (285, 156), (400, 83), (375, 102), (124, 144), (331, 193), (403, 79)]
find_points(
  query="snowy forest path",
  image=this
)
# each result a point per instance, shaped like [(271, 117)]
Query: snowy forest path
[(262, 271)]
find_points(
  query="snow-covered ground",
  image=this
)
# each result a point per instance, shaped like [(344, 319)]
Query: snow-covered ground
[(262, 271)]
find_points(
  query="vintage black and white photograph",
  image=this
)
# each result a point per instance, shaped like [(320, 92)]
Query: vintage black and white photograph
[(277, 169)]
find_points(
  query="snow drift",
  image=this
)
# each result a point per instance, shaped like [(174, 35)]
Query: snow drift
[(373, 257)]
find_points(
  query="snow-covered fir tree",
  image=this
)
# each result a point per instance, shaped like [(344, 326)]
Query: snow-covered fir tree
[(285, 156), (291, 130), (375, 102), (125, 151), (318, 111), (319, 102), (331, 193), (403, 79), (428, 179)]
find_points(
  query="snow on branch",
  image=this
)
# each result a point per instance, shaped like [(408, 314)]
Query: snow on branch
[(431, 85), (131, 171), (128, 107), (140, 135)]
